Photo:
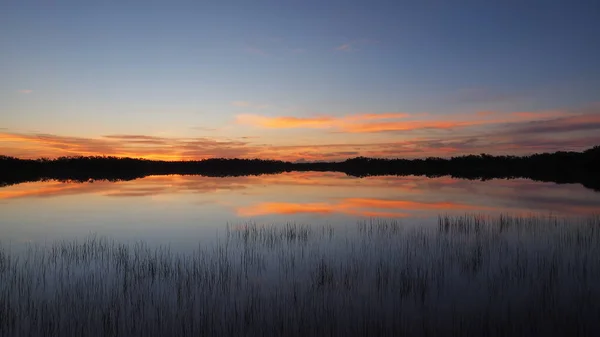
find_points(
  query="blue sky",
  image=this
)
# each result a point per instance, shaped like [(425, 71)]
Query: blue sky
[(190, 69)]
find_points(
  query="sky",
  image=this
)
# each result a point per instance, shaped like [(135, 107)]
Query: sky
[(298, 80)]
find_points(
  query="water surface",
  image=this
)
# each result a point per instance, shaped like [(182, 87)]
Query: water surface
[(184, 210), (299, 254)]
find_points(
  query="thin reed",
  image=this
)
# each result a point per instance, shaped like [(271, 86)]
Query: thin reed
[(469, 276)]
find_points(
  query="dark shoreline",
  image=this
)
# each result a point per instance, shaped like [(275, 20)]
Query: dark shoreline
[(558, 167)]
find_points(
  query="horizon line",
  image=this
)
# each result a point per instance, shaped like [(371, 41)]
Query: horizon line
[(300, 161)]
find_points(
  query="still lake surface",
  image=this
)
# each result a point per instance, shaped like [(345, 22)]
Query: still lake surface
[(183, 210), (299, 254)]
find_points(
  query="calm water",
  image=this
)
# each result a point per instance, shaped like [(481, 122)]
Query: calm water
[(183, 210), (299, 254)]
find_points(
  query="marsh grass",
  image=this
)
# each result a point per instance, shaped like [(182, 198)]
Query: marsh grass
[(469, 276)]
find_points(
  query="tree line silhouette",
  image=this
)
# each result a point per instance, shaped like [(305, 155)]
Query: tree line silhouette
[(559, 167)]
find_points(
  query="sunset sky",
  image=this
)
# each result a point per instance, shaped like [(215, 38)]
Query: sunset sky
[(298, 80)]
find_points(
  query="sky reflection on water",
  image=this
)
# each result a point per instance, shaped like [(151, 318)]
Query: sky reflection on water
[(183, 210)]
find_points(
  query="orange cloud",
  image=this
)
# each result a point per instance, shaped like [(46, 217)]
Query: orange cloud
[(140, 146), (345, 123), (364, 123), (508, 133), (535, 115), (285, 122), (405, 126)]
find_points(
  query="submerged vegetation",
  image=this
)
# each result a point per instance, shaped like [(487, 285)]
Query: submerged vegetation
[(469, 276), (560, 167)]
